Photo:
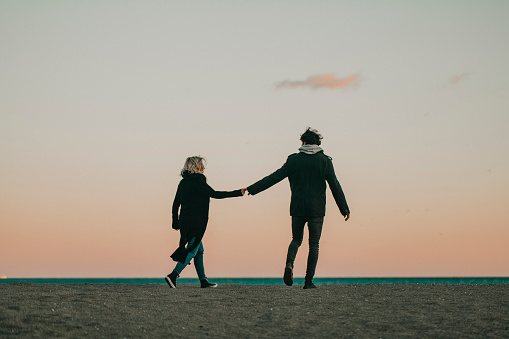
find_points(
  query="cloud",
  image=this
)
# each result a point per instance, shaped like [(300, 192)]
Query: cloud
[(328, 80), (457, 78)]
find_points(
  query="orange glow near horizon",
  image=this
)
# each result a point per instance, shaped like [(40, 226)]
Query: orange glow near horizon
[(247, 237)]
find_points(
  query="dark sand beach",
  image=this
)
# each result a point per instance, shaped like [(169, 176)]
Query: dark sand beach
[(153, 311)]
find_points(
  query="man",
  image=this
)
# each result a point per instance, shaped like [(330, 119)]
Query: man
[(307, 172)]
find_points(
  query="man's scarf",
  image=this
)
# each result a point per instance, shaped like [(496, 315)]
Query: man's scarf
[(310, 149)]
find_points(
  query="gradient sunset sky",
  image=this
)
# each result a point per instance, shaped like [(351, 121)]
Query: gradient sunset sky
[(102, 101)]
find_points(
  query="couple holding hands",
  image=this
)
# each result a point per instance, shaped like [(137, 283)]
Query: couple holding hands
[(308, 172)]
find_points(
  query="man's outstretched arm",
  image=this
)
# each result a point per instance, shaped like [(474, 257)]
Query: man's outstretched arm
[(268, 181)]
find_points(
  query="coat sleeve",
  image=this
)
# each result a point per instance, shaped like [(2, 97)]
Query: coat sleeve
[(175, 210), (269, 180), (337, 191), (209, 191)]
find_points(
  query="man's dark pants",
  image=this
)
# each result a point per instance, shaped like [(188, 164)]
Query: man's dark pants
[(315, 231)]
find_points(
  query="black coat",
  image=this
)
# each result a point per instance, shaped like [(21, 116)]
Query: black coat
[(193, 197), (308, 174)]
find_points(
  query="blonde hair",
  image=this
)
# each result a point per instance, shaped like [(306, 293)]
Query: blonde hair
[(194, 164)]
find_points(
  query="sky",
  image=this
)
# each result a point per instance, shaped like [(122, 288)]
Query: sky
[(102, 101)]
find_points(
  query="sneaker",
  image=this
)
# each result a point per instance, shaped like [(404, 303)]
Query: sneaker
[(205, 283), (309, 285), (171, 279), (288, 276)]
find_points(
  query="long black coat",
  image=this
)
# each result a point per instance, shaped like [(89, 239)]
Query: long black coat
[(193, 197), (308, 174)]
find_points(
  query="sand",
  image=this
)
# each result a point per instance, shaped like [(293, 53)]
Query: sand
[(154, 311)]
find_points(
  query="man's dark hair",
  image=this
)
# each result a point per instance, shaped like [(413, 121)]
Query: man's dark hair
[(311, 137)]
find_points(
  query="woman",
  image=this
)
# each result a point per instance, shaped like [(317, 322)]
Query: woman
[(193, 197)]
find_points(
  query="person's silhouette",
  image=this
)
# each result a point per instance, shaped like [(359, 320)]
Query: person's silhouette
[(308, 172)]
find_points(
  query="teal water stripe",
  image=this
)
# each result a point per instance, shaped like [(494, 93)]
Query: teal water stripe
[(270, 281)]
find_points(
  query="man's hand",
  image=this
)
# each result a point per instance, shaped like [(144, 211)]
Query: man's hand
[(347, 217), (243, 190)]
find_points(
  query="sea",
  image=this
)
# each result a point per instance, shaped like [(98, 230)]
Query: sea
[(267, 281)]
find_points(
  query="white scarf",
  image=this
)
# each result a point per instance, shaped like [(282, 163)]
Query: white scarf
[(310, 149)]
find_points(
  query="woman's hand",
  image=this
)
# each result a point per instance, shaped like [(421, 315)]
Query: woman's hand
[(243, 190)]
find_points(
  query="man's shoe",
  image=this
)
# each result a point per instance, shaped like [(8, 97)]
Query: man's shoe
[(288, 276), (171, 279), (205, 283), (309, 285)]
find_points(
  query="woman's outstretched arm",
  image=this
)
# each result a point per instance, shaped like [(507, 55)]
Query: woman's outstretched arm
[(222, 194)]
